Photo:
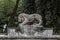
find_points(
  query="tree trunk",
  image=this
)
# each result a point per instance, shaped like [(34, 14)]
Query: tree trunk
[(12, 20)]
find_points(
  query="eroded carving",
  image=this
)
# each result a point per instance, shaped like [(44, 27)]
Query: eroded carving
[(29, 23)]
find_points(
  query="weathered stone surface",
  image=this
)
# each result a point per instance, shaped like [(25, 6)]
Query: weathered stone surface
[(33, 19), (29, 39), (12, 33), (29, 23)]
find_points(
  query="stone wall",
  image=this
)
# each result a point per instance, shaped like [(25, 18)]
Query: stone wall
[(30, 39)]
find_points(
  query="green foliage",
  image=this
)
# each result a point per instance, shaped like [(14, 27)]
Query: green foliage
[(6, 9)]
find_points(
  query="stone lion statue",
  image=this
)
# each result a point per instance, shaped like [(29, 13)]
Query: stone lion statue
[(28, 23)]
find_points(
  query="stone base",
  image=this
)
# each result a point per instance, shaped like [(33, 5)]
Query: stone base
[(45, 33)]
